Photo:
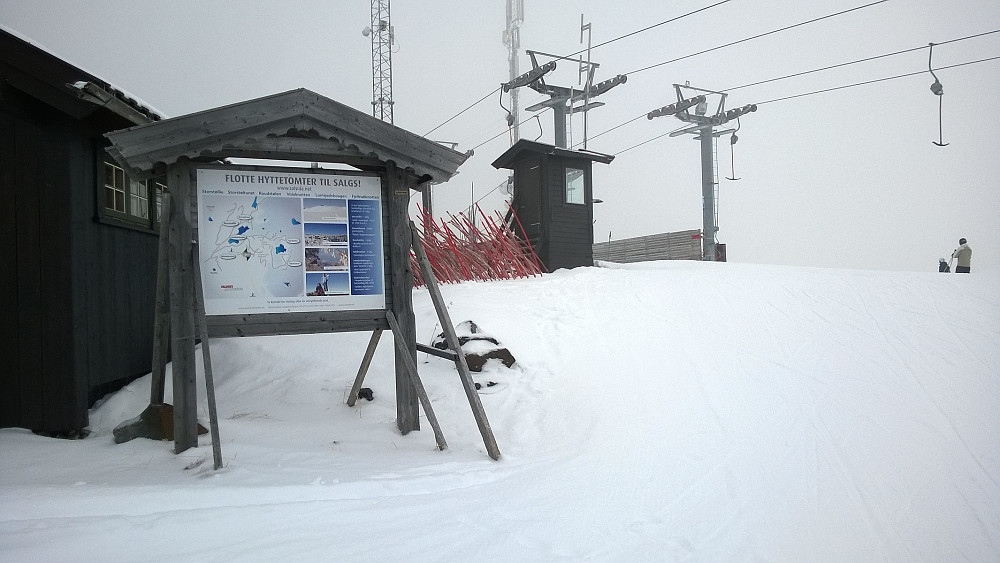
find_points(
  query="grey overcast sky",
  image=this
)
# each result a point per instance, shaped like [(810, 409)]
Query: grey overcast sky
[(847, 178)]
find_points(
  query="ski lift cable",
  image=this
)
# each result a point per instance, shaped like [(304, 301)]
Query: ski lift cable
[(592, 137), (642, 143), (758, 36), (677, 59), (500, 185), (866, 59), (831, 90), (875, 80), (814, 71), (477, 102), (737, 87), (472, 105), (504, 131), (638, 31)]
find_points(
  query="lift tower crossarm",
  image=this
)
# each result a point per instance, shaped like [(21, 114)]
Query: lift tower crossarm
[(562, 99), (703, 127)]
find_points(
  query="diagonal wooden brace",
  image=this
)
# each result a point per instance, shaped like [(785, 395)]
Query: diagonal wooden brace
[(452, 339)]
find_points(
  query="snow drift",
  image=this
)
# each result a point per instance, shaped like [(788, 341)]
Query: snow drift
[(666, 411)]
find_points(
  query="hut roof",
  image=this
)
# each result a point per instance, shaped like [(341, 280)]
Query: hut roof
[(506, 160)]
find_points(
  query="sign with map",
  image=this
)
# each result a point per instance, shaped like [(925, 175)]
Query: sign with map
[(277, 241)]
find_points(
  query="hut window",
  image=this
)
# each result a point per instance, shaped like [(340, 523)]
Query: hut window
[(574, 186)]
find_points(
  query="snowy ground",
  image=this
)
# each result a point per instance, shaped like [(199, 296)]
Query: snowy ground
[(658, 412)]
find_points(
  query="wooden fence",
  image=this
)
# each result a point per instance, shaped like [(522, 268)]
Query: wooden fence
[(682, 245)]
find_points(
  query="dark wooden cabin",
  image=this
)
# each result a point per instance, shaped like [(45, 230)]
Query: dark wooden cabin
[(77, 240), (554, 201)]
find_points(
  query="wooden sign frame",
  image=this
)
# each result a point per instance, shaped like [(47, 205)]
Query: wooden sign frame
[(298, 125)]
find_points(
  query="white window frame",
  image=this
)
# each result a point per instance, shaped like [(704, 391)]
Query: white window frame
[(575, 187)]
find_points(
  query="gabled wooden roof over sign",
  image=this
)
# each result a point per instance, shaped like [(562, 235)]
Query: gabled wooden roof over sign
[(294, 125)]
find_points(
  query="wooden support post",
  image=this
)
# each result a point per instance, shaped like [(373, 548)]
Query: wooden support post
[(206, 357), (411, 369), (182, 307), (161, 312), (398, 190), (363, 370), (156, 421), (452, 339)]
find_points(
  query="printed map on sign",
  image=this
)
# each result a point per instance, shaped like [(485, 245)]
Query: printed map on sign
[(283, 241), (257, 246)]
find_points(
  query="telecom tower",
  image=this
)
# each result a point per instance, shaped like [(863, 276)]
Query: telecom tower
[(382, 38), (512, 40)]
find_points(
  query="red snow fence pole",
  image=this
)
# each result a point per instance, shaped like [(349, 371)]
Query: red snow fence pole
[(459, 249)]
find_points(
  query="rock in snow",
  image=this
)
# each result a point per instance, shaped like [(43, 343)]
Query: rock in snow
[(478, 346)]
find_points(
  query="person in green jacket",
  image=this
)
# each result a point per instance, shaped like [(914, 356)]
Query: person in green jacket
[(964, 255)]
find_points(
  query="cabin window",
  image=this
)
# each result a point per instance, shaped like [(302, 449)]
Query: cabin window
[(574, 186), (139, 200), (159, 188), (127, 202), (114, 188)]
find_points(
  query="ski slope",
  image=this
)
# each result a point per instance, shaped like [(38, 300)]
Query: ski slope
[(664, 411)]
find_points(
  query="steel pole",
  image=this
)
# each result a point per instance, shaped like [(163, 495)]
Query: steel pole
[(708, 195), (559, 123)]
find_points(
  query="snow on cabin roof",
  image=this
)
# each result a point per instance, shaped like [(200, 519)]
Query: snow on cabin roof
[(146, 110)]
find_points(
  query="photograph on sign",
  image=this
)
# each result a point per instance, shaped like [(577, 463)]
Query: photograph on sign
[(275, 241)]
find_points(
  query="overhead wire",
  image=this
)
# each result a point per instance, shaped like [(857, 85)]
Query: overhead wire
[(744, 40), (823, 90), (719, 47), (874, 81), (758, 36), (484, 98), (472, 105), (866, 59), (643, 143), (620, 125), (839, 65), (638, 31), (482, 197), (502, 132)]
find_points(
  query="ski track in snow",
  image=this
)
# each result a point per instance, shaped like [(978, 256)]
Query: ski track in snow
[(658, 412)]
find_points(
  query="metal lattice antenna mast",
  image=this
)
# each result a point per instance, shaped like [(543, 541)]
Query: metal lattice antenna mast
[(512, 40), (382, 38)]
